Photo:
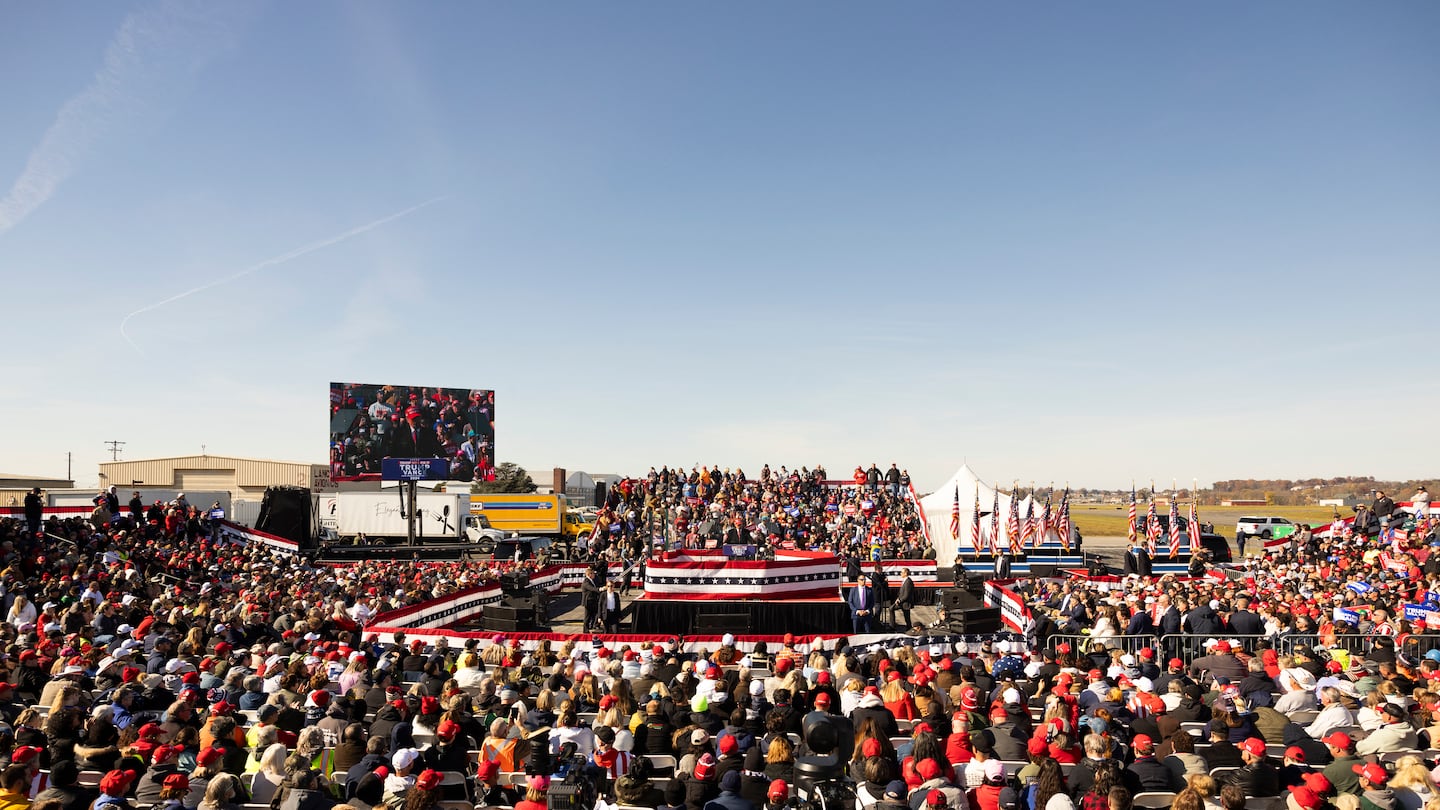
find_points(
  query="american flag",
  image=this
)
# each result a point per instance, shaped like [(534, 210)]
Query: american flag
[(1174, 527), (975, 522), (1152, 526), (995, 524), (1131, 535), (1194, 524), (1027, 532), (1062, 521), (1012, 527), (1046, 525), (955, 517)]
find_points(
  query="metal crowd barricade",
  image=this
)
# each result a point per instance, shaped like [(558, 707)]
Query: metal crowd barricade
[(1188, 647), (1354, 643), (1416, 646), (1081, 643)]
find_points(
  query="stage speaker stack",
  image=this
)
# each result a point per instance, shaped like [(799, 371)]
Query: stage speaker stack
[(954, 600), (1043, 569), (516, 610), (975, 621)]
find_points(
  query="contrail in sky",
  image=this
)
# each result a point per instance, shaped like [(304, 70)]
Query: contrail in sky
[(151, 63), (271, 262)]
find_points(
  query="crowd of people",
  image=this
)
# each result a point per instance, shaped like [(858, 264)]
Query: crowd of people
[(870, 514), (148, 666), (372, 422)]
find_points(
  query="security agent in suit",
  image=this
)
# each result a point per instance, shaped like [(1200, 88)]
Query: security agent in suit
[(880, 586), (1137, 559), (862, 606), (1002, 563), (590, 598), (905, 596)]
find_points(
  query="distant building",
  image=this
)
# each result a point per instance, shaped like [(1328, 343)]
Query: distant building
[(582, 488), (13, 487), (1343, 501), (1245, 502), (245, 479)]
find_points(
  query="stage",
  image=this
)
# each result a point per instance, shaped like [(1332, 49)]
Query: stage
[(718, 616)]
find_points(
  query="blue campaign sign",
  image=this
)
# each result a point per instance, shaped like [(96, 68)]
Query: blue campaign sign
[(414, 469), (1416, 613)]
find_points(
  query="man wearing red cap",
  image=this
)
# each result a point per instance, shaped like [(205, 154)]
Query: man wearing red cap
[(1221, 663), (1341, 771), (1147, 773), (1258, 776), (165, 762), (1374, 791)]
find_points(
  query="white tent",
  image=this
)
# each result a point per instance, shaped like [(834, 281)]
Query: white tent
[(939, 506)]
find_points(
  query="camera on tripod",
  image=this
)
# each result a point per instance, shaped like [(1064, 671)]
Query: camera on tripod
[(573, 785)]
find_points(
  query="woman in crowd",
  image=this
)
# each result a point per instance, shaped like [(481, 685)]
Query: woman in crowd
[(269, 774), (1050, 790)]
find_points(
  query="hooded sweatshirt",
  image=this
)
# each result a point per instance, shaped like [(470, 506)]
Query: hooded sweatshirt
[(1378, 799)]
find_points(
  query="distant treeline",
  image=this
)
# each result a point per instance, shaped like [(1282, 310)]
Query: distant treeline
[(1278, 491)]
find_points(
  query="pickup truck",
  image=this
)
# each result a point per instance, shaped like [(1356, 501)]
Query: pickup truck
[(1263, 527)]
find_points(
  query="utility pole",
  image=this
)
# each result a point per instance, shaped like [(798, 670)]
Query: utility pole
[(68, 476), (115, 449)]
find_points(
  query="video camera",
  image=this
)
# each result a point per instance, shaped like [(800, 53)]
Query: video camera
[(573, 784)]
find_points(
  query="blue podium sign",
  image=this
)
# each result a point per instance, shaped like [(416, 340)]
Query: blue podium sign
[(414, 469)]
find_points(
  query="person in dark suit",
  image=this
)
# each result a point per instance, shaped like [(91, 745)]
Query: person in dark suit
[(1140, 624), (590, 598), (880, 586), (1243, 621), (1137, 559), (1202, 620), (414, 439), (862, 606), (905, 596)]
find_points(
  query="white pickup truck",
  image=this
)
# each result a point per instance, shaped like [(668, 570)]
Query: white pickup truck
[(1266, 528)]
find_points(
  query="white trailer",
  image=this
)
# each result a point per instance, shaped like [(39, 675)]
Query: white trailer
[(440, 517)]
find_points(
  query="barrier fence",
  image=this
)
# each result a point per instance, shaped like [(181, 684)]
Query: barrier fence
[(1189, 647)]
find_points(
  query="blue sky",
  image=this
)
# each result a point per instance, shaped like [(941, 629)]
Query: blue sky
[(1082, 242)]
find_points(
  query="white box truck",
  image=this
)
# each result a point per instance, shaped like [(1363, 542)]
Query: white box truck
[(441, 517)]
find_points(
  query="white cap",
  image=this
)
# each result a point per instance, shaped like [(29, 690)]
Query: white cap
[(404, 758), (728, 640)]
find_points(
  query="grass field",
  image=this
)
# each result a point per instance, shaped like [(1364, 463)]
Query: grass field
[(1100, 520)]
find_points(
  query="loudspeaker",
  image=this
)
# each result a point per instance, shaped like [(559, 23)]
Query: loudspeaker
[(1043, 569), (510, 625), (515, 583), (511, 612), (976, 621), (955, 599), (710, 622), (285, 512)]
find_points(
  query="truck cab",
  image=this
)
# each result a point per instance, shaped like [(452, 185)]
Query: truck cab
[(479, 532), (577, 526)]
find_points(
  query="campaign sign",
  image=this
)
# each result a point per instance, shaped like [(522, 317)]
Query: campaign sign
[(1416, 613), (414, 469)]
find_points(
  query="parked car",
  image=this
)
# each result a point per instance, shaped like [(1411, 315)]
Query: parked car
[(1263, 527)]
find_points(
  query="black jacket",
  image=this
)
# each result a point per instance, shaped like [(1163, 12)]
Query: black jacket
[(1257, 779), (73, 797), (1150, 774)]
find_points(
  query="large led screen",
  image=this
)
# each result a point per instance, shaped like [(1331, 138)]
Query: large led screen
[(369, 423)]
